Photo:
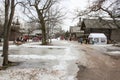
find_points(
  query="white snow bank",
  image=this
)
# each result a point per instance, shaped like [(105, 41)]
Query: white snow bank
[(114, 52), (54, 39), (11, 47), (49, 57), (103, 45), (42, 46)]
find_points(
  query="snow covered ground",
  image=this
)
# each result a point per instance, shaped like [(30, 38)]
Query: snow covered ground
[(107, 49), (39, 62)]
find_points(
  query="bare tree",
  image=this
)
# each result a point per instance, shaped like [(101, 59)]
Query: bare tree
[(41, 9), (100, 6), (109, 9), (54, 19)]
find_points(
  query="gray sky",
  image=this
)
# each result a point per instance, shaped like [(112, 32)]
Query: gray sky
[(71, 6)]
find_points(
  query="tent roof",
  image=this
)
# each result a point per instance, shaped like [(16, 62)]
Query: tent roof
[(97, 35)]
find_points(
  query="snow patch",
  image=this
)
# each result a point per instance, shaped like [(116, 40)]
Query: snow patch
[(49, 57), (102, 45), (114, 52), (39, 46)]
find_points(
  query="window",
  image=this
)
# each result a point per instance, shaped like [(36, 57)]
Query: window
[(103, 39), (96, 40)]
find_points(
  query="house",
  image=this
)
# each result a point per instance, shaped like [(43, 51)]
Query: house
[(75, 32), (35, 32), (99, 25), (15, 27), (14, 33)]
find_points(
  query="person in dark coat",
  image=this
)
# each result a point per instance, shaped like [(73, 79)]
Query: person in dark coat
[(81, 40)]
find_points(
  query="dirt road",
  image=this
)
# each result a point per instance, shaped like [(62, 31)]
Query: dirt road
[(98, 66)]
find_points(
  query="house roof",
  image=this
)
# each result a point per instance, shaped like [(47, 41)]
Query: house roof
[(100, 23), (36, 32), (74, 29)]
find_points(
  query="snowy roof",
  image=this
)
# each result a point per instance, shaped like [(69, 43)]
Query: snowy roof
[(97, 23), (97, 35), (36, 32)]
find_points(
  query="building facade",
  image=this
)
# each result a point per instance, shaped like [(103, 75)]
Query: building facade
[(108, 27), (15, 30)]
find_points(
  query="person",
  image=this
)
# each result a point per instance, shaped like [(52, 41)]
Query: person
[(0, 40), (18, 41), (70, 39), (25, 38), (81, 40), (93, 41)]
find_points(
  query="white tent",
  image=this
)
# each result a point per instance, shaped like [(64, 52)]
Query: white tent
[(97, 38)]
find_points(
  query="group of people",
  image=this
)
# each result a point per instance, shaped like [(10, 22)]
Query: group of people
[(81, 40), (21, 39)]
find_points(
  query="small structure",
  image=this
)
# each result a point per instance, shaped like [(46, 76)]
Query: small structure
[(97, 38), (105, 26)]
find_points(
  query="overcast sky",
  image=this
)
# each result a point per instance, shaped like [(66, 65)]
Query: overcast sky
[(71, 6)]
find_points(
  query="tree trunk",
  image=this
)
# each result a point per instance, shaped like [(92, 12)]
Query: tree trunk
[(42, 22), (7, 28), (5, 43), (5, 50), (44, 39)]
